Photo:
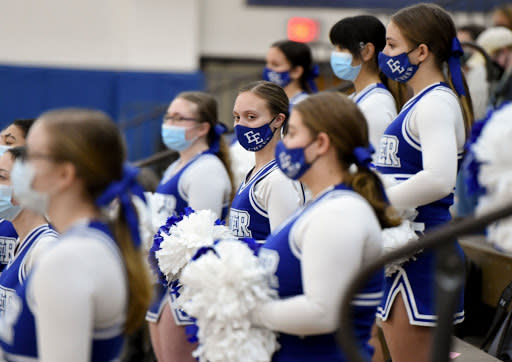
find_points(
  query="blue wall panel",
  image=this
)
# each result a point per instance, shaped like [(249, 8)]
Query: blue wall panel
[(136, 100)]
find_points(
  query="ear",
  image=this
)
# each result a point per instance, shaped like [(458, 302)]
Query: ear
[(66, 174), (323, 143), (279, 120), (423, 52), (296, 72), (368, 52), (203, 129)]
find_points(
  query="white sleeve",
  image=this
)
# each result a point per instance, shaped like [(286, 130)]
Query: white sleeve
[(280, 196), (207, 185), (43, 244), (379, 110), (440, 128), (335, 241), (76, 286)]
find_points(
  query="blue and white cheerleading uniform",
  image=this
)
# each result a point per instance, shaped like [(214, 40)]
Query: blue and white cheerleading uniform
[(282, 256), (174, 195), (248, 216), (93, 305), (378, 107), (17, 332), (8, 237), (297, 98), (400, 156)]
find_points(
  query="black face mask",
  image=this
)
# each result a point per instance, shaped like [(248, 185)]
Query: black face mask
[(494, 71)]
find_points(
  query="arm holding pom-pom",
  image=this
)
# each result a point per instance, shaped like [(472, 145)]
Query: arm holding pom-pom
[(220, 289)]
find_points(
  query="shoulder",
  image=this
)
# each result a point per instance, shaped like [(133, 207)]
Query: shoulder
[(206, 163), (276, 179)]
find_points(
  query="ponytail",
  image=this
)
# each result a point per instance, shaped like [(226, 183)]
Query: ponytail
[(219, 147), (366, 183), (465, 102), (139, 286), (126, 234)]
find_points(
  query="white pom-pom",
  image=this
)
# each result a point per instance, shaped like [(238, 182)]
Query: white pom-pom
[(492, 150), (221, 290), (185, 238), (396, 237)]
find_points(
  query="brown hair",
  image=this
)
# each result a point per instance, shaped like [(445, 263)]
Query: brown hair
[(506, 11), (337, 116), (431, 25), (274, 96), (207, 112), (93, 144)]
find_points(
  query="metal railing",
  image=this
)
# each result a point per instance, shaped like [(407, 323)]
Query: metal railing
[(449, 279)]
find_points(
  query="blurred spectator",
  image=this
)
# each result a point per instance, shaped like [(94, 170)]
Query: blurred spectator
[(474, 72), (497, 42), (502, 16)]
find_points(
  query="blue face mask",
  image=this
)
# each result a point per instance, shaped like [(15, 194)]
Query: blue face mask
[(174, 138), (398, 67), (292, 161), (8, 211), (342, 68), (254, 139), (282, 79)]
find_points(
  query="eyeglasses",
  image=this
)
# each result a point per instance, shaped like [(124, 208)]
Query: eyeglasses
[(168, 118), (39, 156)]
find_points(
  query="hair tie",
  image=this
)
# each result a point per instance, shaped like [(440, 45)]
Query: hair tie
[(123, 189), (363, 155), (218, 130), (313, 73), (455, 67)]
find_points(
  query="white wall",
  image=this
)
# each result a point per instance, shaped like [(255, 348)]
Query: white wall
[(120, 34), (153, 35)]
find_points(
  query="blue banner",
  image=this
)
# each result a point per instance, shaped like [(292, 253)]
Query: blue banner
[(390, 5)]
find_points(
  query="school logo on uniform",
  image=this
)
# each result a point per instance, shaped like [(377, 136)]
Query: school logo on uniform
[(7, 246), (253, 137), (239, 221), (10, 317), (388, 150), (269, 261)]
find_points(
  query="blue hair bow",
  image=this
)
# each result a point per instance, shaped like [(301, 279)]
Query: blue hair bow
[(123, 189), (363, 155), (218, 130), (454, 66), (313, 73)]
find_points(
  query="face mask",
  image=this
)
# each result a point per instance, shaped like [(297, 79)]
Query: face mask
[(292, 161), (398, 67), (342, 68), (254, 139), (7, 210), (3, 149), (22, 176), (282, 79), (174, 138)]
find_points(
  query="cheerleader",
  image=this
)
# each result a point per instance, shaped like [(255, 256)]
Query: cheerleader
[(12, 136), (289, 64), (34, 233), (421, 149), (91, 287), (201, 179), (358, 40), (266, 197), (318, 250)]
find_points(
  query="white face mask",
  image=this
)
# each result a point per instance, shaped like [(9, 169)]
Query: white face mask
[(22, 176), (8, 211)]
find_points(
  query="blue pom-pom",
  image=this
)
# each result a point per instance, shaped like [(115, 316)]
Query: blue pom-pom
[(192, 330)]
